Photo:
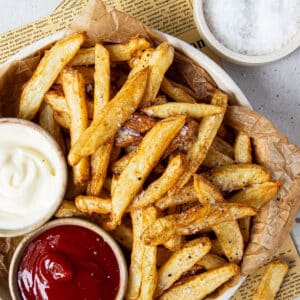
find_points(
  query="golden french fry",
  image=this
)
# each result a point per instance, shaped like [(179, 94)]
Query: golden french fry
[(242, 149), (135, 269), (92, 204), (216, 248), (172, 109), (245, 225), (140, 122), (201, 285), (149, 271), (223, 147), (62, 119), (237, 176), (123, 234), (256, 195), (272, 277), (119, 165), (186, 195), (118, 109), (46, 72), (159, 60), (68, 209), (117, 52), (100, 159), (86, 72), (74, 89), (211, 261), (48, 122), (127, 137), (215, 158), (197, 153), (139, 167), (160, 186), (174, 243), (176, 91), (180, 262)]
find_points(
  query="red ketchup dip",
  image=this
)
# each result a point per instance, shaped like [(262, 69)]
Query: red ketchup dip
[(68, 262)]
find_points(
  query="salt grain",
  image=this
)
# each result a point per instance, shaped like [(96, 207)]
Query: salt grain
[(253, 27)]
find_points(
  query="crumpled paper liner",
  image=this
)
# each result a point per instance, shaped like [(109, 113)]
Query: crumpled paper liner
[(272, 149)]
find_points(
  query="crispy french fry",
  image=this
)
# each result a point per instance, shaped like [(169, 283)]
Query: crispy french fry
[(127, 137), (272, 277), (174, 243), (117, 52), (100, 159), (176, 91), (135, 269), (86, 72), (47, 121), (242, 149), (201, 285), (160, 186), (123, 234), (245, 225), (215, 158), (186, 195), (194, 220), (256, 195), (197, 153), (68, 209), (216, 248), (159, 60), (149, 271), (118, 109), (46, 72), (140, 122), (172, 109), (119, 165), (62, 119), (92, 204), (180, 262), (237, 176), (211, 261), (135, 173), (74, 89), (223, 147)]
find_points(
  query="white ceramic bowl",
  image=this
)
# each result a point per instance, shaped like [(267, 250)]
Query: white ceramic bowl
[(235, 57), (14, 266), (53, 152)]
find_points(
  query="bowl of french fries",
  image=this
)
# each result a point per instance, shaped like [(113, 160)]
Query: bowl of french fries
[(153, 161)]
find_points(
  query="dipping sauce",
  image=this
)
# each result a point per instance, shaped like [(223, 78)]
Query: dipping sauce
[(68, 262), (32, 174)]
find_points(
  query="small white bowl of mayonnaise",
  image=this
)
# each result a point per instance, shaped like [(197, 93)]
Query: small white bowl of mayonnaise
[(249, 32), (33, 176)]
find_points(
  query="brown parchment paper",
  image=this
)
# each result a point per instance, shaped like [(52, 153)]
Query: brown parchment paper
[(272, 149)]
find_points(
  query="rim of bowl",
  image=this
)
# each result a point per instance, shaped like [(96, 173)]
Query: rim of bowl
[(14, 265), (62, 168), (235, 57)]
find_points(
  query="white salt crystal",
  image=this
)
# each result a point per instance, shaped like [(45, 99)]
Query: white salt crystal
[(253, 27)]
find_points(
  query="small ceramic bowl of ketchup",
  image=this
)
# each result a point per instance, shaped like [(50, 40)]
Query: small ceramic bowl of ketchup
[(68, 259)]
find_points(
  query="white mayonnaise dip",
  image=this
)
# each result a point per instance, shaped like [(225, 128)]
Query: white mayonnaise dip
[(31, 176)]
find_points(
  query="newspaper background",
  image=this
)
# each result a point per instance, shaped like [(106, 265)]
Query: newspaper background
[(175, 18)]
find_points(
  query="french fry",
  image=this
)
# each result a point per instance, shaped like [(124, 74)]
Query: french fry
[(135, 173), (214, 158), (160, 186), (256, 195), (140, 122), (242, 149), (201, 285), (127, 137), (86, 72), (245, 225), (92, 204), (68, 209), (194, 220), (272, 277), (159, 60), (223, 147), (197, 153), (149, 271), (100, 159), (117, 52), (119, 165), (47, 121), (176, 92), (237, 176), (228, 233), (174, 243), (186, 195), (172, 109), (180, 262), (74, 89), (123, 235), (135, 269), (118, 109), (211, 261), (216, 247), (46, 72)]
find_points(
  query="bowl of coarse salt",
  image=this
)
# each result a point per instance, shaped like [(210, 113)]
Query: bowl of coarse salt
[(249, 32)]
